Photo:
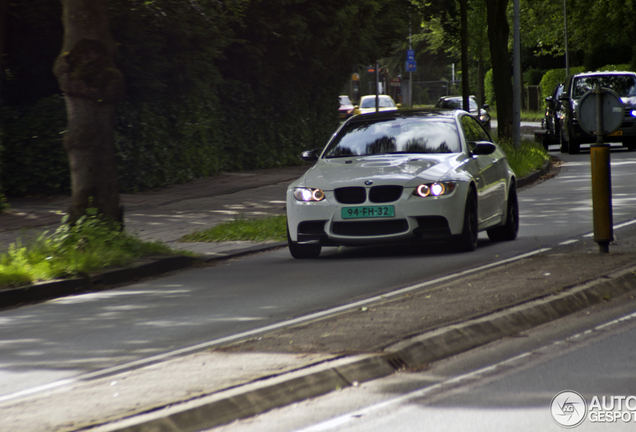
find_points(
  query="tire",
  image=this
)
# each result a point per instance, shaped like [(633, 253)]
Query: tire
[(631, 144), (467, 240), (564, 144), (574, 147), (301, 251), (509, 230)]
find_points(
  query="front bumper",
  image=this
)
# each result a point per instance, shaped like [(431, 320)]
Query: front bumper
[(416, 219), (626, 131)]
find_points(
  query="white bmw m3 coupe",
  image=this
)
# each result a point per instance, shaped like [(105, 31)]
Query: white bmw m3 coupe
[(413, 176)]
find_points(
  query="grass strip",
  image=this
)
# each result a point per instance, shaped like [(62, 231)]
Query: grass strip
[(271, 228), (84, 248), (525, 159)]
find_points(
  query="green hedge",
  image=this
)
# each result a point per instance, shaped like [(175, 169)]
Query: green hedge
[(210, 86), (33, 158)]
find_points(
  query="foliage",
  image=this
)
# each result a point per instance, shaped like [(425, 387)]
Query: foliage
[(271, 228), (88, 246), (3, 201), (32, 42), (528, 157), (490, 91)]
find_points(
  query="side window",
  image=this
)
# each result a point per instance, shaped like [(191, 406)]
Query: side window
[(473, 131)]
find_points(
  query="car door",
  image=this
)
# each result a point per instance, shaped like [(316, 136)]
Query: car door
[(490, 180)]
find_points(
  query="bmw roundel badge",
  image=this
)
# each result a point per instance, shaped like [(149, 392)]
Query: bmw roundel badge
[(368, 182)]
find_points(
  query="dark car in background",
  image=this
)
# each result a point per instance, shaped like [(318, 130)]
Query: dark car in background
[(456, 102), (551, 121), (346, 107), (623, 83)]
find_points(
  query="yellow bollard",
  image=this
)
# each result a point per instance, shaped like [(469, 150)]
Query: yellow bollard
[(602, 196)]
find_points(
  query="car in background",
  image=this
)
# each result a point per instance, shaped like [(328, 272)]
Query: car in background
[(403, 177), (575, 86), (367, 104), (456, 102), (551, 121), (346, 107)]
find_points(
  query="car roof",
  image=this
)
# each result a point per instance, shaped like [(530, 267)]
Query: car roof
[(456, 97), (604, 73)]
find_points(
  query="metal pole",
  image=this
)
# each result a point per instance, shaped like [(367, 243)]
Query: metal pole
[(601, 182)]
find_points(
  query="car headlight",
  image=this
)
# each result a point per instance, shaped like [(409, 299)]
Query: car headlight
[(308, 194), (633, 113), (434, 189)]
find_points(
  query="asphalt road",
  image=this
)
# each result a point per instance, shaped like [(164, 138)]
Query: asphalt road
[(506, 385), (75, 336)]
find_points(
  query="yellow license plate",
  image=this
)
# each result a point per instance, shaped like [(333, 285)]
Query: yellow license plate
[(617, 133)]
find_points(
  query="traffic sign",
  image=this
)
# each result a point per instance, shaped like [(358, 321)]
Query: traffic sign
[(411, 66), (410, 54), (612, 111)]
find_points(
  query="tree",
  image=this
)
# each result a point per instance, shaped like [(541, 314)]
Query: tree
[(91, 84), (498, 32), (463, 6), (3, 11)]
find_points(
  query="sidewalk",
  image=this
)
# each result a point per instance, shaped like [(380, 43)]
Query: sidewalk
[(167, 214)]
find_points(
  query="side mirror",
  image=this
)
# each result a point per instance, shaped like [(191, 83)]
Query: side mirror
[(482, 147), (399, 105), (311, 155), (564, 96), (549, 99), (485, 106)]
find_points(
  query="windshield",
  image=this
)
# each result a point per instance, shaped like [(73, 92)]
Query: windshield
[(401, 135), (458, 103), (624, 85), (383, 103), (344, 100)]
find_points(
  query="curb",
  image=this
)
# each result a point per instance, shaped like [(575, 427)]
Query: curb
[(149, 267), (532, 177), (261, 396)]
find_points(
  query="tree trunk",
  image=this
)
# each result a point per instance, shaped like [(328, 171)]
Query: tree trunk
[(498, 31), (463, 6), (3, 14), (92, 84), (481, 77)]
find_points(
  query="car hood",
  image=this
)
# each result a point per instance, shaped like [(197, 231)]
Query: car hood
[(406, 170)]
